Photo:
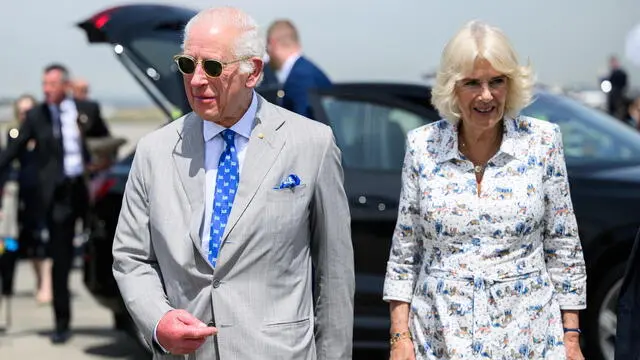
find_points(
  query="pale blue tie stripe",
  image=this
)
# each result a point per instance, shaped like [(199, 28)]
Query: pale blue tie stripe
[(225, 191)]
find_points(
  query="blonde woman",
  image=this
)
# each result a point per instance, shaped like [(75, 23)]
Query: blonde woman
[(33, 235), (485, 260)]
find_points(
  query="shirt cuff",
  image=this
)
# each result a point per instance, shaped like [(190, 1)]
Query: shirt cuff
[(155, 339)]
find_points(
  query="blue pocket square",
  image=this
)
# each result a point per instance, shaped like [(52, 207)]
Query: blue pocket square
[(290, 182)]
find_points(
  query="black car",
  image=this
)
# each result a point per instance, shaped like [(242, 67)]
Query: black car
[(370, 122)]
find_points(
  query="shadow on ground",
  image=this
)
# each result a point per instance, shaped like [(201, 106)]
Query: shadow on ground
[(117, 344), (120, 346)]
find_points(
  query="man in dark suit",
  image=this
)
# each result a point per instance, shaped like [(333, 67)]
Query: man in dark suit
[(60, 127), (294, 71), (616, 97)]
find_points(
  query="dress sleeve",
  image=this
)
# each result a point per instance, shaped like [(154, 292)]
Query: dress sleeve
[(562, 247), (405, 257)]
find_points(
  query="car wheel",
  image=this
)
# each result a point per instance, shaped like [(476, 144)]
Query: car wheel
[(602, 319)]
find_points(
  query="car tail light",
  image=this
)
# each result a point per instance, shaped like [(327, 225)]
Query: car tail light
[(102, 18), (100, 187)]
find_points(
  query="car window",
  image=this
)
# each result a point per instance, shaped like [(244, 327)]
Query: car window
[(589, 135), (154, 56), (371, 136)]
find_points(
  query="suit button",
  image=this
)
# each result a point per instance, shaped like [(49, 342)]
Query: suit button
[(216, 283)]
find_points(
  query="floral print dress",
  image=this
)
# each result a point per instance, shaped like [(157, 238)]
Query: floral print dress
[(486, 273)]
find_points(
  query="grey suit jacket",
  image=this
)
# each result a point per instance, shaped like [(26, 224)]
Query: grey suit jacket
[(260, 296)]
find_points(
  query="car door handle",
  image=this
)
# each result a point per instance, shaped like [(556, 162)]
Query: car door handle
[(373, 202)]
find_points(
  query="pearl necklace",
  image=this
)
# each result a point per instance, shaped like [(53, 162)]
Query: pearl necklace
[(477, 168)]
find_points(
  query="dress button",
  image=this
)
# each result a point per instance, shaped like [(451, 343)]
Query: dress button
[(216, 283)]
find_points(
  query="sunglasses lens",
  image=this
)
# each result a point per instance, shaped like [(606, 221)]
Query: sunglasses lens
[(213, 68), (186, 65)]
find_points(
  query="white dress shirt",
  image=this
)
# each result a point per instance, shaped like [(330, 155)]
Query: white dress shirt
[(214, 146), (72, 146), (285, 70)]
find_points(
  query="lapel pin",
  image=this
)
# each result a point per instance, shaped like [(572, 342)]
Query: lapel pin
[(83, 118), (261, 136)]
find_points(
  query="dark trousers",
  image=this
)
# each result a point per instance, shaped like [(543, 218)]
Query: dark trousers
[(69, 203), (7, 270)]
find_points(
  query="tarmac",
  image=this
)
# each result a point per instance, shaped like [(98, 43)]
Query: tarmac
[(93, 334)]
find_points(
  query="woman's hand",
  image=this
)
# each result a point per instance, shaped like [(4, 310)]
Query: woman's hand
[(572, 346), (402, 350)]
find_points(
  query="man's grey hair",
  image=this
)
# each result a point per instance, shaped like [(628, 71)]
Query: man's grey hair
[(249, 44)]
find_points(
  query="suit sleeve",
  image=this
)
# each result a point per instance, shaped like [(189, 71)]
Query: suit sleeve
[(98, 127), (332, 253), (296, 92), (16, 146), (135, 267)]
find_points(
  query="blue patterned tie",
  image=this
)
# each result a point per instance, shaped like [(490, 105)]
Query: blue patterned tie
[(226, 186)]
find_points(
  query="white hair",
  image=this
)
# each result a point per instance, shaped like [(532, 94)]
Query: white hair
[(477, 40), (250, 43)]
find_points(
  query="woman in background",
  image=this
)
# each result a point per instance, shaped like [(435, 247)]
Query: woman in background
[(33, 235)]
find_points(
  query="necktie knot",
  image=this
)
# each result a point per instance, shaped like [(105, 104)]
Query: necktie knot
[(228, 135)]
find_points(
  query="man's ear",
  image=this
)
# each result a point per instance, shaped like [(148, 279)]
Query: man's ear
[(252, 80)]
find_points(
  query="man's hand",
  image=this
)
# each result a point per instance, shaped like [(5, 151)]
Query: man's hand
[(181, 333)]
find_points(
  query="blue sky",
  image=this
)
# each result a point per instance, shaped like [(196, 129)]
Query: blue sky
[(568, 41)]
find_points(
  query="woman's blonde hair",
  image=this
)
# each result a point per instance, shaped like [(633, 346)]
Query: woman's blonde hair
[(478, 40)]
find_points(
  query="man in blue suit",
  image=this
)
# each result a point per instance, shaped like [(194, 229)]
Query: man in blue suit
[(296, 74)]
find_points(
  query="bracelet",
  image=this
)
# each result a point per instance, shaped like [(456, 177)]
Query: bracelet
[(566, 330), (395, 337)]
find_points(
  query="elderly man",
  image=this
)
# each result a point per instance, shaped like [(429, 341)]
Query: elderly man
[(294, 72), (234, 237), (80, 89)]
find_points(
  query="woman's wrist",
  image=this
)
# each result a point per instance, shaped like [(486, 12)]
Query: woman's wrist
[(397, 337), (571, 336)]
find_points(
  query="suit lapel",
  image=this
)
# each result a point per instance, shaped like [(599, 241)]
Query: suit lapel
[(264, 146), (188, 157), (83, 119), (82, 122)]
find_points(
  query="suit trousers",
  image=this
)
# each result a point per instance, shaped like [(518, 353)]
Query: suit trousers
[(69, 203), (7, 270)]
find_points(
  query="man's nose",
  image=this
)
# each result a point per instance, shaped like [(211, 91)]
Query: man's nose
[(199, 77)]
